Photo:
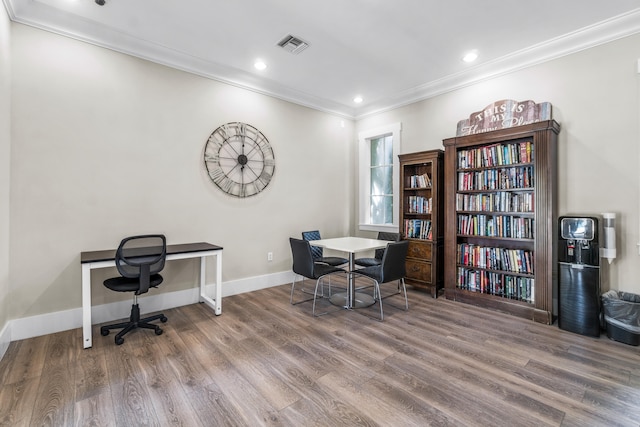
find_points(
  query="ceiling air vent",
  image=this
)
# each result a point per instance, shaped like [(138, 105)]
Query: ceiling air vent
[(293, 44)]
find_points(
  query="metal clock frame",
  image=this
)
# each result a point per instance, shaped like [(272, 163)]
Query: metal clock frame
[(239, 159)]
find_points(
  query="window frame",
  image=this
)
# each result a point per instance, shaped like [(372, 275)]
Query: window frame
[(364, 168)]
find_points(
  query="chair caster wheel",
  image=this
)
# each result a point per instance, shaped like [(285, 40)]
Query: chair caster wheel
[(158, 331), (104, 332), (164, 319), (119, 341)]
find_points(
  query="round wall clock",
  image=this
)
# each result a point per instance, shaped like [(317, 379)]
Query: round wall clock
[(239, 159)]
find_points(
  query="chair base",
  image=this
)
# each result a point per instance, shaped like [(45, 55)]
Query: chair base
[(378, 297), (134, 323), (312, 295)]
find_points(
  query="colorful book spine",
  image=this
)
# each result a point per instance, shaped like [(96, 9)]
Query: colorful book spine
[(496, 155), (420, 181), (504, 226), (498, 284), (417, 229)]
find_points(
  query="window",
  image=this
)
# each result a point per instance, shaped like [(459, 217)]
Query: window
[(381, 184), (378, 174)]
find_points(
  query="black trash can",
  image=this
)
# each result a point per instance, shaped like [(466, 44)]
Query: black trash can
[(622, 316)]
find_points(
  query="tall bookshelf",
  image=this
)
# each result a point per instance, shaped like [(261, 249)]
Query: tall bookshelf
[(420, 219), (501, 219)]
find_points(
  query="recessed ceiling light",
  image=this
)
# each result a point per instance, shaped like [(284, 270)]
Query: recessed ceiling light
[(358, 99), (260, 64), (470, 56)]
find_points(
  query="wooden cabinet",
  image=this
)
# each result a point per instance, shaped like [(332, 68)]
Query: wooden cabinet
[(420, 219), (501, 219)]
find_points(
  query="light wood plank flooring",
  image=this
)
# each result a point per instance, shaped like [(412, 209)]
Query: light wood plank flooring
[(264, 362)]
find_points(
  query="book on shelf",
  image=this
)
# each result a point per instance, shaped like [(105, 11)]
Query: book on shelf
[(507, 178), (496, 155), (420, 205), (501, 201), (420, 181), (417, 229), (504, 226), (495, 258), (498, 284)]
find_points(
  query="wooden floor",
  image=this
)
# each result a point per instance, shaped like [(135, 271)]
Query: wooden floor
[(266, 362)]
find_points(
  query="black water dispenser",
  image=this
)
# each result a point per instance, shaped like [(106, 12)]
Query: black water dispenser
[(579, 275)]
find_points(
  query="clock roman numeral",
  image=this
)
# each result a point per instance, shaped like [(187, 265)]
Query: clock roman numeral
[(263, 144), (216, 175), (216, 140), (265, 177), (243, 190), (225, 183), (224, 131), (212, 158)]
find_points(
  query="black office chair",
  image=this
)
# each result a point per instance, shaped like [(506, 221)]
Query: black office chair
[(304, 265), (391, 269), (317, 251), (139, 259), (377, 259)]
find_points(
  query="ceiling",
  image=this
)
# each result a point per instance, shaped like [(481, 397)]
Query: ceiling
[(389, 52)]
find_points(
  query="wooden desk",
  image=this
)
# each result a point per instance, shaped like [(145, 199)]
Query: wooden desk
[(351, 245), (106, 258)]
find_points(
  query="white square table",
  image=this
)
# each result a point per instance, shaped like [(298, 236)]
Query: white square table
[(351, 245)]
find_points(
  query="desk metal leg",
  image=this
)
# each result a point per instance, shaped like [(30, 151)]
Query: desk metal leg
[(86, 306), (219, 283), (216, 304)]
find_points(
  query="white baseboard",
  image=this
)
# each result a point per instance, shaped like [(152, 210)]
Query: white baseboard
[(50, 323), (5, 339)]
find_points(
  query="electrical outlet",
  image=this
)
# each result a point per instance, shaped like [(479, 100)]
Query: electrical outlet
[(269, 256)]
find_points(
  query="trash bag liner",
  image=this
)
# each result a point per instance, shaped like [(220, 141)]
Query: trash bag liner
[(622, 316)]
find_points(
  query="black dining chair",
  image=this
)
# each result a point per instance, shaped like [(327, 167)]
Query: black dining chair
[(377, 259), (318, 253), (391, 269), (304, 265), (139, 260)]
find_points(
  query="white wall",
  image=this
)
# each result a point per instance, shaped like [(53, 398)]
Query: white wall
[(106, 145), (5, 163), (595, 98)]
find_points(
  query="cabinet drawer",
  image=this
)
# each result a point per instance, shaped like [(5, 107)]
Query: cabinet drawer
[(421, 250), (418, 270)]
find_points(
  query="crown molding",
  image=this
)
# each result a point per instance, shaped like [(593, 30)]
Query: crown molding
[(50, 19), (41, 16), (595, 35)]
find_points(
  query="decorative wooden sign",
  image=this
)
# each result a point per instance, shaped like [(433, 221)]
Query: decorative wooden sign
[(504, 114)]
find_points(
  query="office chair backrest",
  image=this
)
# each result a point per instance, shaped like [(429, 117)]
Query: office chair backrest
[(315, 250), (141, 257), (302, 257), (393, 261)]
